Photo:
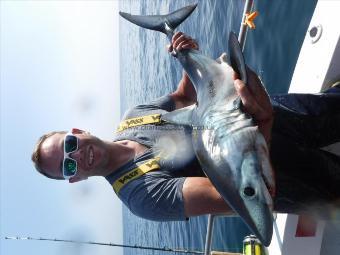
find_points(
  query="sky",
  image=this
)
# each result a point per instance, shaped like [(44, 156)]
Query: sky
[(59, 70)]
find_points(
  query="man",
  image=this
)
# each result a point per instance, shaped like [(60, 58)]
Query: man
[(153, 170)]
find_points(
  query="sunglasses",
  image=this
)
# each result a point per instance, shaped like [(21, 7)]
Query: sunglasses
[(69, 164)]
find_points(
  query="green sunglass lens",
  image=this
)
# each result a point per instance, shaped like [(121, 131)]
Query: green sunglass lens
[(70, 143), (70, 167)]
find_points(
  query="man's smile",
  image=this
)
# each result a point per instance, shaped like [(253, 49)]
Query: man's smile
[(90, 158)]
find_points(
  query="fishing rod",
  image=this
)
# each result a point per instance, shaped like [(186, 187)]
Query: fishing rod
[(165, 249)]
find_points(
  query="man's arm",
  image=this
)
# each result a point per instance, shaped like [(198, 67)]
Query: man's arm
[(200, 197), (185, 94)]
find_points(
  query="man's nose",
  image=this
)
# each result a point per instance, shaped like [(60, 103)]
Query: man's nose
[(77, 155)]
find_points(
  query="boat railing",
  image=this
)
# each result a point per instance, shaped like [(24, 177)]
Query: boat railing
[(210, 230)]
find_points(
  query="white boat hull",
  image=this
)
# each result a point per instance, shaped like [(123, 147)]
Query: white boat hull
[(317, 68)]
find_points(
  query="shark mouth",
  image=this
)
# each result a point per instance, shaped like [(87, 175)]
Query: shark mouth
[(268, 191), (269, 187)]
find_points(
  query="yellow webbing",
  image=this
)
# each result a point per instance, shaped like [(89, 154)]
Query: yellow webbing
[(150, 165), (138, 121)]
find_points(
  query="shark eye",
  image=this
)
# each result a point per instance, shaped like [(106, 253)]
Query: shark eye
[(249, 191)]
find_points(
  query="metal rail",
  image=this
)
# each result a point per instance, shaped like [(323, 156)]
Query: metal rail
[(243, 27), (242, 39)]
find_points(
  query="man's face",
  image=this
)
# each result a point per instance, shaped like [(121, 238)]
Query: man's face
[(91, 155)]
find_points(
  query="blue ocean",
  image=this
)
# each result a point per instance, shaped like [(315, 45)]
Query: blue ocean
[(148, 71)]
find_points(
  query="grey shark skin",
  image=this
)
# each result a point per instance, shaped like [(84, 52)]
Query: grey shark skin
[(228, 144)]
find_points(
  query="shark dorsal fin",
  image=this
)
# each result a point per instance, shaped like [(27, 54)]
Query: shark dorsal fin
[(236, 57), (181, 116)]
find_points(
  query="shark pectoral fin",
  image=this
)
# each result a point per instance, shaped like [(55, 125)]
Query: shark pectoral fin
[(236, 57), (181, 116)]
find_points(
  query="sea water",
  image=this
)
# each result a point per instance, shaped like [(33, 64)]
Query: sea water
[(148, 71)]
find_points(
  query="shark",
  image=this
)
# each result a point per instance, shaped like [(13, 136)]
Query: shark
[(227, 142)]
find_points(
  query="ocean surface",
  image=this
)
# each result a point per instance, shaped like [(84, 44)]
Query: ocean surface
[(147, 72)]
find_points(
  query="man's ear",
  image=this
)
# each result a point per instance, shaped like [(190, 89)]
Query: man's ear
[(77, 131), (76, 179)]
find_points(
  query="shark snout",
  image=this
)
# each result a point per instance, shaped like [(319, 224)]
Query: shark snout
[(256, 197)]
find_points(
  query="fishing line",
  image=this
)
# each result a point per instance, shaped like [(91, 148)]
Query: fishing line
[(165, 249)]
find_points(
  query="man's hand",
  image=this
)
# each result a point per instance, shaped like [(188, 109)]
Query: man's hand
[(256, 102), (182, 41)]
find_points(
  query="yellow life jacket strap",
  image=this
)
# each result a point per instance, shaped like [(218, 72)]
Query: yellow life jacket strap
[(138, 121), (148, 166)]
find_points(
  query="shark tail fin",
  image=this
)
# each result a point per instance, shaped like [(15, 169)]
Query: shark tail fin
[(161, 23)]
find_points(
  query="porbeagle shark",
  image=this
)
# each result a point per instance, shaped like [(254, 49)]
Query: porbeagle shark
[(231, 150)]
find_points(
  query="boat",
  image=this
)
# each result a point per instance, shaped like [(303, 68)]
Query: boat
[(317, 69)]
